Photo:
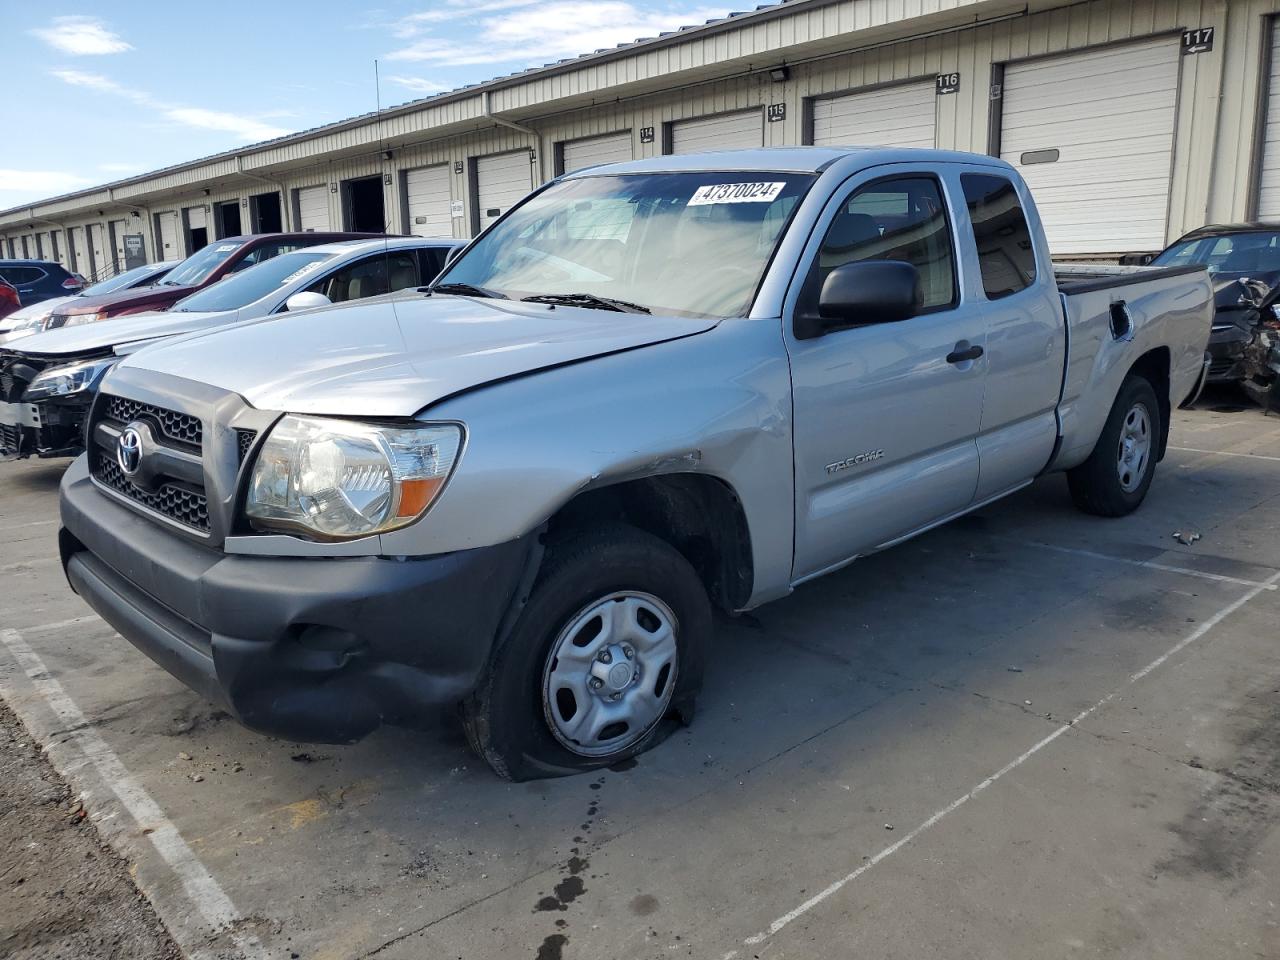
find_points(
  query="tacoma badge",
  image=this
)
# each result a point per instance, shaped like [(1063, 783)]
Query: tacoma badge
[(855, 461)]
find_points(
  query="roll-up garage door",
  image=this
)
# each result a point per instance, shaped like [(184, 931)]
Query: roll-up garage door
[(79, 251), (592, 151), (29, 247), (502, 181), (1093, 134), (97, 252), (724, 131), (1269, 172), (428, 193), (313, 208), (900, 116), (170, 248), (117, 230), (196, 219)]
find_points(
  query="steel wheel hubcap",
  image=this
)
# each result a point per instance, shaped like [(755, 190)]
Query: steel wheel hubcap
[(610, 673), (1135, 448)]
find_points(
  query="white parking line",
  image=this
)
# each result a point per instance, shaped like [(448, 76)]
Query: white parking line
[(201, 888), (890, 850), (1148, 564), (1226, 453)]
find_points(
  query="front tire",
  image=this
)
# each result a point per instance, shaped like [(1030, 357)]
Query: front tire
[(606, 653), (1114, 480)]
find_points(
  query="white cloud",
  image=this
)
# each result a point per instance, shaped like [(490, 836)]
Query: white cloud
[(527, 32), (419, 85), (83, 36), (43, 182), (247, 129)]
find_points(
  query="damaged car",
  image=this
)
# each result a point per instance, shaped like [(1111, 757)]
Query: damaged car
[(1243, 260)]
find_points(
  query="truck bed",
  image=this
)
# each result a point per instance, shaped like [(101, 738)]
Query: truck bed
[(1115, 316)]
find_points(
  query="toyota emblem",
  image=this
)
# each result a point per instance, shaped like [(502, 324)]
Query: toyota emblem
[(129, 450)]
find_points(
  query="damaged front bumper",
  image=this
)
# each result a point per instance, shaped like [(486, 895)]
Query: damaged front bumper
[(43, 428)]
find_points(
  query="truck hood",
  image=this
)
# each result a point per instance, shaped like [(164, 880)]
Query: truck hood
[(92, 337), (394, 359)]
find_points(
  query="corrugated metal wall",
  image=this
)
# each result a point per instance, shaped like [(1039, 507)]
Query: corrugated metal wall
[(723, 71)]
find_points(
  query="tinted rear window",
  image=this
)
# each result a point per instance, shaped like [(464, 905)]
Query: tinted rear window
[(1005, 252)]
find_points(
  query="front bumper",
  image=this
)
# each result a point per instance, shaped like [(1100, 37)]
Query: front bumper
[(44, 428), (307, 649), (1226, 351)]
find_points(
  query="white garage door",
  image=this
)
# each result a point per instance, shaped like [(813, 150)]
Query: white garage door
[(196, 219), (724, 131), (502, 180), (592, 151), (1093, 135), (170, 248), (313, 208), (901, 116), (428, 194), (79, 251), (117, 230), (97, 251), (1269, 172)]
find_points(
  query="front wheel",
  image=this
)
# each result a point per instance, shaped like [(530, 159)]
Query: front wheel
[(1115, 479), (608, 649)]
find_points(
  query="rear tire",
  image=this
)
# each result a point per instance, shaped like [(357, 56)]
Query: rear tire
[(603, 659), (1115, 479)]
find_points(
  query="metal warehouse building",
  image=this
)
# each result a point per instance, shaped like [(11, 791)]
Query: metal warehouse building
[(1132, 121)]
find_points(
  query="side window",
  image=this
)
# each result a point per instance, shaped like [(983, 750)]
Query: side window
[(369, 277), (20, 275), (1005, 253), (897, 219), (431, 260)]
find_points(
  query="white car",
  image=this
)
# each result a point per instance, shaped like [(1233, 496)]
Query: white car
[(33, 319), (46, 386)]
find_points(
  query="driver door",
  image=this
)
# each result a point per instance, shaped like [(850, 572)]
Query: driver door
[(885, 417)]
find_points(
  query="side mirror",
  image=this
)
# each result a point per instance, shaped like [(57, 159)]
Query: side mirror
[(306, 299), (866, 291)]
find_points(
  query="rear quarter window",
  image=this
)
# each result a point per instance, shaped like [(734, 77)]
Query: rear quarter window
[(1005, 251)]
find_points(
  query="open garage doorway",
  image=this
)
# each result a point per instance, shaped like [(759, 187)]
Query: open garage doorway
[(227, 218), (362, 205), (264, 213)]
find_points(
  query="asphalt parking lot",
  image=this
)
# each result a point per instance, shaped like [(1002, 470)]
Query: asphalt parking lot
[(1030, 733)]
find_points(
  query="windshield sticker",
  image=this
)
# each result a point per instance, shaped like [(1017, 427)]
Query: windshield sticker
[(736, 193), (226, 247), (304, 269)]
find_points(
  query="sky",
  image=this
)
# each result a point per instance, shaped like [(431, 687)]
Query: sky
[(106, 95)]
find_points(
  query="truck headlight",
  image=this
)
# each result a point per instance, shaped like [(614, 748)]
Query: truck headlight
[(69, 378), (341, 479)]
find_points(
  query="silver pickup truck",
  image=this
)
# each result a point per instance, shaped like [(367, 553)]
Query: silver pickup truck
[(649, 389)]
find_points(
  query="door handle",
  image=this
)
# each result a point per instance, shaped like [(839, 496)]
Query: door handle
[(960, 356)]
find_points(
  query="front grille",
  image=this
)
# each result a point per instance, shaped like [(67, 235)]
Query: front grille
[(244, 440), (181, 428), (1219, 368), (10, 438), (185, 506)]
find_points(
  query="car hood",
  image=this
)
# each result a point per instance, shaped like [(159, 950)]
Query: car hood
[(139, 298), (394, 359), (92, 337)]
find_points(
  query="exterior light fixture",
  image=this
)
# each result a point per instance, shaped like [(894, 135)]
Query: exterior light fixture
[(780, 74)]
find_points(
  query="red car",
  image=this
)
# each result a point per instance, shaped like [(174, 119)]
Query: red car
[(9, 301), (208, 265)]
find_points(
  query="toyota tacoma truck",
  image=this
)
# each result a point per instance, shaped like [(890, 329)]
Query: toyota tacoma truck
[(650, 390)]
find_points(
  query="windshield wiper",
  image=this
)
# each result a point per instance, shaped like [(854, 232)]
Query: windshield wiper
[(468, 290), (588, 300)]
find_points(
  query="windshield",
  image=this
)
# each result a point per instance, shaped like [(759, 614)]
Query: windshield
[(692, 244), (239, 289), (121, 281), (1246, 253), (199, 265)]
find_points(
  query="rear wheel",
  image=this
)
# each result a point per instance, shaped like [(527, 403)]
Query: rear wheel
[(1115, 479), (606, 654)]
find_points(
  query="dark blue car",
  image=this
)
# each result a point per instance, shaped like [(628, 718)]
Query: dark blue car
[(38, 280)]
